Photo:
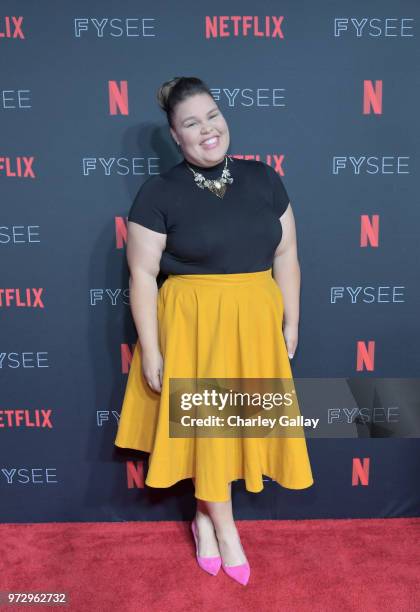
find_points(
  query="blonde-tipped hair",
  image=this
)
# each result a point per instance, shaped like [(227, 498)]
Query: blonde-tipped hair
[(177, 89)]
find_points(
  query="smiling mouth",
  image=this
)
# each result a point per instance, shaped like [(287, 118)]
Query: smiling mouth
[(210, 141)]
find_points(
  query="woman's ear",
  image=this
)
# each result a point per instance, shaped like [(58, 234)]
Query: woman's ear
[(174, 136)]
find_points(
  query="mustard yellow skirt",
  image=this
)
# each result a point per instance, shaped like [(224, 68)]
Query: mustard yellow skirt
[(213, 326)]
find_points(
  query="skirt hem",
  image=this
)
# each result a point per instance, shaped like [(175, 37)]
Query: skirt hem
[(294, 488), (275, 479)]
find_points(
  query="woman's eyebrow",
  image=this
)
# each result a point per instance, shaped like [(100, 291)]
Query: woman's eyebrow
[(193, 117)]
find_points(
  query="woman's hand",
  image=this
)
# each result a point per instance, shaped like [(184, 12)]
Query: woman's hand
[(290, 332), (152, 366)]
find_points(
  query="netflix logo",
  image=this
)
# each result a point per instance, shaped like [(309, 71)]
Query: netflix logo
[(25, 298), (11, 27), (17, 167), (271, 159), (222, 26), (25, 418)]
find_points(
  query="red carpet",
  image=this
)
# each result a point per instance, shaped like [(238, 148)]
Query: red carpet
[(296, 566)]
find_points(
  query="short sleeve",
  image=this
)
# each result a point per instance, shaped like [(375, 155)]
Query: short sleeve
[(280, 196), (148, 208)]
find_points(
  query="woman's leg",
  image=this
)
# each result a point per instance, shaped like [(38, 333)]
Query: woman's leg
[(217, 531)]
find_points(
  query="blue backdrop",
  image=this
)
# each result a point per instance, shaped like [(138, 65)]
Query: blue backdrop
[(328, 95)]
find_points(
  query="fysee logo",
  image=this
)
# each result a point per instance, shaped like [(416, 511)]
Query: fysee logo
[(376, 27), (116, 28), (11, 27)]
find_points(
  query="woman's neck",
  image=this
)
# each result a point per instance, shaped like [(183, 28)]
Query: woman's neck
[(213, 168)]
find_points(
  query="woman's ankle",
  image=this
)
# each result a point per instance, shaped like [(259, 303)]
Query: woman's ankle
[(226, 531)]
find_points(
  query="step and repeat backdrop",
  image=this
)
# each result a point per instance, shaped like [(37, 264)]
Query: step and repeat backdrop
[(328, 95)]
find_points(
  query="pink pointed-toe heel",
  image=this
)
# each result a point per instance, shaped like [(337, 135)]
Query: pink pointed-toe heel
[(208, 564), (240, 573)]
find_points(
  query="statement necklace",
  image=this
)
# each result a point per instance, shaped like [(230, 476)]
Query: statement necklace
[(216, 186)]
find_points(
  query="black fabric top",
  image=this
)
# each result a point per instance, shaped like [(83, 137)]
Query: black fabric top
[(211, 235)]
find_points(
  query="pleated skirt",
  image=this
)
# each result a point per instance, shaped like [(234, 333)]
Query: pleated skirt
[(213, 326)]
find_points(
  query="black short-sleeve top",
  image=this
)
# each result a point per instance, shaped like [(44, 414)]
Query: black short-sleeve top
[(206, 234)]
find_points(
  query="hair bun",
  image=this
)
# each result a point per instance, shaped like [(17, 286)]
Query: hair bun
[(164, 92), (176, 90)]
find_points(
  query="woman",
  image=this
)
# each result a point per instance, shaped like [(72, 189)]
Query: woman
[(204, 241)]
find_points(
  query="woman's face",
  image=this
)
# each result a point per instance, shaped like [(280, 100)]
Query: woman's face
[(201, 130)]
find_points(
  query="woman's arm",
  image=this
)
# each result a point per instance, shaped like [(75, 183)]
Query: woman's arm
[(286, 272), (144, 252)]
